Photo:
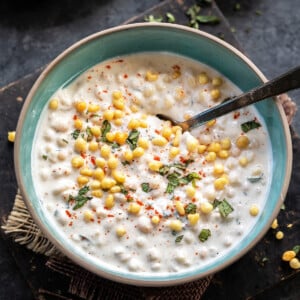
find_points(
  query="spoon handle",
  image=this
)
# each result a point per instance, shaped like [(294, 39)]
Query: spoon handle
[(283, 83)]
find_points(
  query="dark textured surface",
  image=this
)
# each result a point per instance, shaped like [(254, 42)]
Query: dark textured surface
[(31, 35), (269, 33)]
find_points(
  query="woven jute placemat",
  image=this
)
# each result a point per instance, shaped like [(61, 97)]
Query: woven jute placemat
[(83, 284)]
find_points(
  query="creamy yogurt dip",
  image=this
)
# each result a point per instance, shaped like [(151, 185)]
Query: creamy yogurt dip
[(135, 192)]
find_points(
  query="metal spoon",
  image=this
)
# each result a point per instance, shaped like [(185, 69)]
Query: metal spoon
[(281, 84)]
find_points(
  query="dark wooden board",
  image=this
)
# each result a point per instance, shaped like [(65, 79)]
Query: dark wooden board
[(250, 277)]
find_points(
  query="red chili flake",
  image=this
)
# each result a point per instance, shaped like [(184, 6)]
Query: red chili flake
[(176, 68), (93, 160), (236, 115), (148, 207), (139, 202), (157, 131), (125, 76), (68, 214), (110, 216), (119, 61), (182, 159), (75, 117), (128, 196), (71, 223), (99, 222), (92, 219), (156, 158), (107, 66), (139, 74), (83, 154), (89, 77), (105, 91), (193, 199)]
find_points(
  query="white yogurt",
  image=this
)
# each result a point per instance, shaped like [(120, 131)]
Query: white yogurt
[(135, 192)]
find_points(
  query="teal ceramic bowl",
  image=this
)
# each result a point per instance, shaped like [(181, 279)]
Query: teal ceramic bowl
[(135, 38)]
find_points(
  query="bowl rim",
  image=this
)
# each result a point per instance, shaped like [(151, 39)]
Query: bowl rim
[(76, 259)]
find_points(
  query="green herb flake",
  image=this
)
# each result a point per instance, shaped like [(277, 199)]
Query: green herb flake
[(247, 126), (192, 14), (179, 239), (196, 19), (132, 139), (296, 249), (173, 179), (89, 134), (204, 235), (225, 208), (81, 198), (191, 177), (210, 19), (254, 179), (151, 18), (163, 170), (123, 190), (105, 128), (146, 187), (237, 6), (216, 203), (191, 208), (115, 145), (170, 17), (45, 157), (75, 134)]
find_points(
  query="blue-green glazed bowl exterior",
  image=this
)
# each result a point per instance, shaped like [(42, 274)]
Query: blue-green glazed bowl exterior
[(147, 37)]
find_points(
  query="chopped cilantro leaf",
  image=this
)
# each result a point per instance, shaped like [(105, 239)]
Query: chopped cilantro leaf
[(164, 170), (209, 19), (170, 17), (146, 187), (132, 139), (115, 145), (81, 198), (204, 235), (190, 208), (75, 134), (296, 249), (216, 203), (173, 179), (89, 134), (45, 157), (225, 208), (178, 239), (151, 18), (247, 126), (189, 178), (105, 128)]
